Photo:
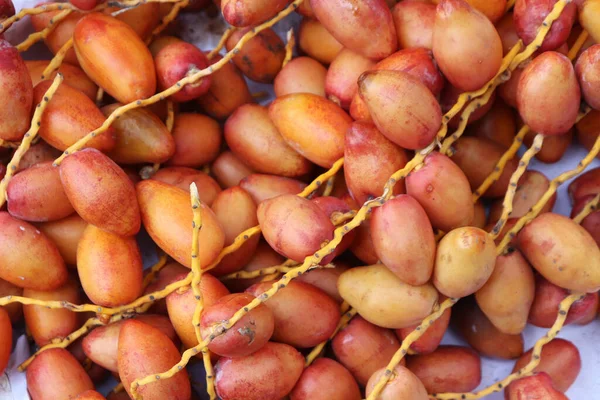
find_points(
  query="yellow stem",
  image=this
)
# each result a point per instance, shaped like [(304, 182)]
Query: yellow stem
[(507, 204), (13, 165), (578, 45), (155, 269), (221, 43), (347, 314), (179, 85), (197, 276), (554, 184), (167, 19), (563, 309), (406, 343), (499, 168), (289, 47), (43, 34), (266, 271), (589, 208)]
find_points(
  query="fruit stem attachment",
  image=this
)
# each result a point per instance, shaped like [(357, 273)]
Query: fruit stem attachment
[(289, 47), (507, 204), (178, 85), (43, 34), (197, 277), (13, 165)]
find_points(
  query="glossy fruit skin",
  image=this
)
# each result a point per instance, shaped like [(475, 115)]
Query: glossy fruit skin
[(143, 19), (332, 206), (326, 379), (443, 190), (198, 140), (36, 194), (37, 153), (560, 359), (269, 373), (588, 74), (74, 76), (46, 324), (241, 13), (28, 258), (417, 62), (548, 94), (316, 41), (492, 9), (247, 335), (15, 84), (176, 61), (482, 335), (7, 9), (182, 178), (264, 187), (369, 160), (457, 22), (588, 12), (261, 58), (508, 294), (60, 34), (412, 119), (363, 348), (181, 306), (69, 116), (354, 287), (404, 240), (90, 394), (535, 386), (414, 21), (587, 184), (404, 386), (342, 74), (312, 125), (552, 240), (448, 369), (138, 357), (166, 213), (236, 211), (229, 170), (546, 303), (530, 188), (228, 90), (56, 374), (301, 75), (431, 339), (254, 138), (588, 130), (304, 315), (102, 344), (465, 260), (110, 267), (529, 15), (101, 193), (351, 26), (477, 158), (141, 137), (113, 55), (6, 344), (293, 226)]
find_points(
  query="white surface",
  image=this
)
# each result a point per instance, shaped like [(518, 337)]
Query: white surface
[(205, 34)]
